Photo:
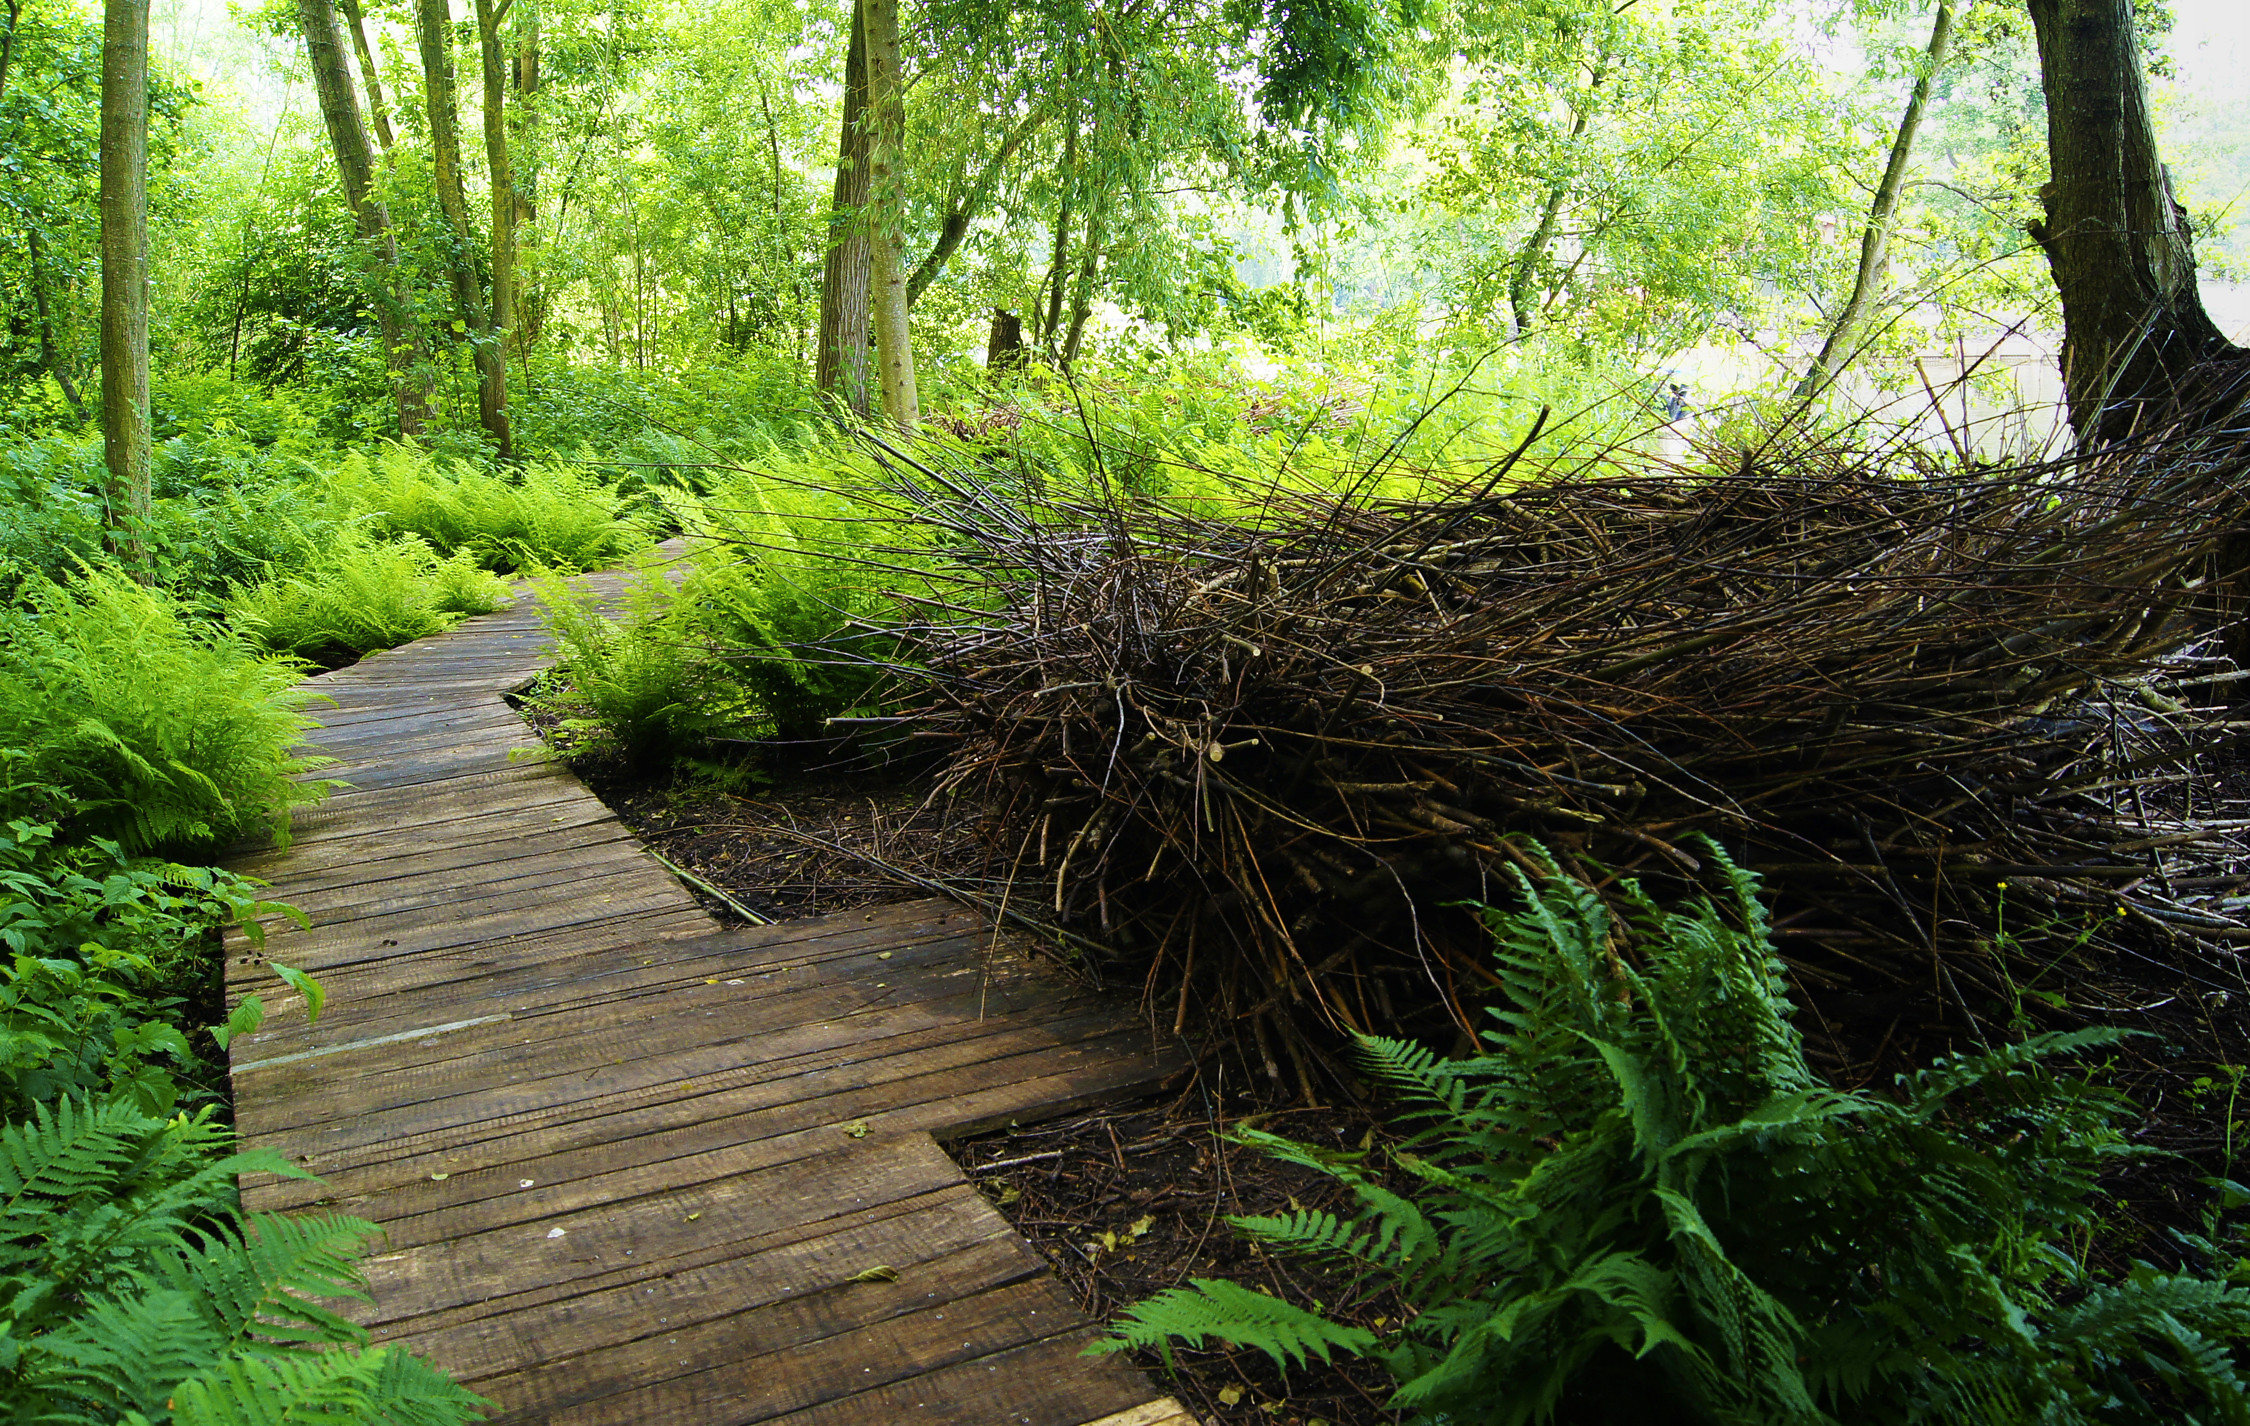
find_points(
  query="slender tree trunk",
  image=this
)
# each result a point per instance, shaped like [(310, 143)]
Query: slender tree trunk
[(8, 42), (886, 104), (1524, 303), (1082, 290), (531, 304), (434, 32), (1873, 276), (124, 209), (840, 367), (2116, 237), (355, 163), (50, 350), (497, 71), (1049, 312), (378, 109), (967, 204), (1003, 345)]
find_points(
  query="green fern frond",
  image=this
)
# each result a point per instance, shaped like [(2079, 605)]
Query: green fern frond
[(386, 1385), (1215, 1308)]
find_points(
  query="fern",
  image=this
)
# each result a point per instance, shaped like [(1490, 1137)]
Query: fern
[(131, 1289), (142, 724), (1214, 1307), (1640, 1193)]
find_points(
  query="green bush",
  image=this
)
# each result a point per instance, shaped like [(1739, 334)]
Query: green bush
[(796, 587), (135, 1292), (639, 689), (1640, 1204), (104, 951), (131, 720), (547, 516), (362, 594)]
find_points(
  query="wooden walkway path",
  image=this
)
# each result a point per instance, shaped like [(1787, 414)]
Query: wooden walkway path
[(635, 1167)]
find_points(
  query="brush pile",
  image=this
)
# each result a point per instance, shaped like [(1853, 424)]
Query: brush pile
[(1258, 757)]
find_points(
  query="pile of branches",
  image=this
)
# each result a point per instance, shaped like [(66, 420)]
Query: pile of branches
[(1260, 757)]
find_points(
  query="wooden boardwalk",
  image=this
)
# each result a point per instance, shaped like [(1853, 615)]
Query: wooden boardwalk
[(635, 1167)]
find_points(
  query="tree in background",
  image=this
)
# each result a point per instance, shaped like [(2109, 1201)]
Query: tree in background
[(840, 361), (1871, 278), (2116, 236), (434, 34), (886, 210), (355, 165), (124, 204)]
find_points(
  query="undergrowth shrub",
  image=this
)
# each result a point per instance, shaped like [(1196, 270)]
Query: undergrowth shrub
[(797, 591), (134, 721), (639, 687), (361, 594), (545, 516), (106, 953), (135, 1292), (1639, 1203)]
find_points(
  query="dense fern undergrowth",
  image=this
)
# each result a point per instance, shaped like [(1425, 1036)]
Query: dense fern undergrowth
[(1638, 1203)]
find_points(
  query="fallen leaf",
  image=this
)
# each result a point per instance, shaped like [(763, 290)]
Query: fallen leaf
[(882, 955), (524, 1183), (693, 1216), (439, 1177), (880, 1273), (1230, 1396), (554, 1232), (857, 1129), (1140, 1228)]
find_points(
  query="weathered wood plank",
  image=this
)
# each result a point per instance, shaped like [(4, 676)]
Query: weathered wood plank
[(628, 1162)]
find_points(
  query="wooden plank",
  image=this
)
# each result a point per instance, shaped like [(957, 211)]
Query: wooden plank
[(622, 1335), (934, 979), (1046, 1382), (573, 1129), (599, 1235), (766, 1385), (598, 1156), (618, 1377)]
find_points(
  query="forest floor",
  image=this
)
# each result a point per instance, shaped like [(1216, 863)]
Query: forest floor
[(1131, 1201)]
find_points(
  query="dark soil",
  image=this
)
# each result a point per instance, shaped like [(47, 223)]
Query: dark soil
[(1127, 1203)]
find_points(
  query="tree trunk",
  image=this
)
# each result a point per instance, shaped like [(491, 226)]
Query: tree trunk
[(355, 163), (1873, 276), (124, 210), (2116, 238), (1003, 346), (378, 109), (531, 305), (433, 25), (969, 202), (840, 359), (50, 350), (886, 105), (497, 72)]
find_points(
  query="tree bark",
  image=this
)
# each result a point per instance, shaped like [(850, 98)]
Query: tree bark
[(50, 350), (355, 163), (378, 109), (531, 305), (433, 25), (1003, 345), (1873, 275), (498, 70), (2116, 237), (124, 210), (886, 104), (840, 367)]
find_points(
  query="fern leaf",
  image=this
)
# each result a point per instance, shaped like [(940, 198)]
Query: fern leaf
[(1215, 1308)]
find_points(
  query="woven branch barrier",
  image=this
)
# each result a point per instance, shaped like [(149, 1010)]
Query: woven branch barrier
[(1260, 756)]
